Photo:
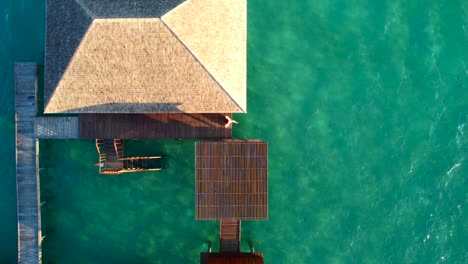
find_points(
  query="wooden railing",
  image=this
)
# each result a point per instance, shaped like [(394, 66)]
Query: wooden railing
[(119, 148), (112, 160)]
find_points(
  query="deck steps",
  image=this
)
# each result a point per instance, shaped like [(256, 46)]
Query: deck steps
[(230, 235), (113, 161), (118, 145)]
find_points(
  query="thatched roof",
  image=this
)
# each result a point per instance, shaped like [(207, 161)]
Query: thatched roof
[(140, 56), (129, 8)]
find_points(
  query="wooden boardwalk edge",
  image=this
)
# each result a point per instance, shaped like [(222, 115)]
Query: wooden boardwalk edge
[(27, 177)]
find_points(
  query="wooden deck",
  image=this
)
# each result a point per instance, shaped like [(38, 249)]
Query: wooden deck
[(231, 258), (154, 126), (27, 177), (57, 127), (231, 180), (133, 126)]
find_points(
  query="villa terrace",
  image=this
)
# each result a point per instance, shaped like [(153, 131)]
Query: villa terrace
[(164, 70)]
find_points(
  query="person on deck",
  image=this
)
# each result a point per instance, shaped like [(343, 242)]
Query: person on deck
[(229, 121)]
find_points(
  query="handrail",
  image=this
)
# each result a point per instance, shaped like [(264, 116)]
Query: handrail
[(141, 158), (118, 148)]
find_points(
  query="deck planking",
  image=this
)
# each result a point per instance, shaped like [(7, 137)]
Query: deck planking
[(154, 126), (231, 258), (231, 180), (27, 177), (57, 127)]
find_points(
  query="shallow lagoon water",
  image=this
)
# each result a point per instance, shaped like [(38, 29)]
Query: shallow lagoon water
[(364, 105)]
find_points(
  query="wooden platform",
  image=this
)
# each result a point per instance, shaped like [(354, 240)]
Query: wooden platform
[(133, 126), (231, 180), (57, 127), (231, 258), (154, 126), (27, 177)]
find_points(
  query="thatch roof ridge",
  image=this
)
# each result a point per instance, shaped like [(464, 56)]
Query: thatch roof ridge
[(135, 48), (85, 8), (136, 66), (129, 8), (203, 66), (215, 33), (62, 39)]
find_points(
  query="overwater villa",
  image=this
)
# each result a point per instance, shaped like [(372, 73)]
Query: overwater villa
[(145, 69)]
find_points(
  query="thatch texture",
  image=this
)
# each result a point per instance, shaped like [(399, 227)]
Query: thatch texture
[(132, 65), (67, 23), (215, 32), (125, 63), (128, 8)]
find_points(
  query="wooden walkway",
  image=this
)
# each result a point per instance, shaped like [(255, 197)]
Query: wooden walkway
[(154, 126), (57, 127), (230, 231), (27, 177), (133, 126)]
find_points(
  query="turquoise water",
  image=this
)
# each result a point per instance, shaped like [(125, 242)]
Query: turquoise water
[(364, 105)]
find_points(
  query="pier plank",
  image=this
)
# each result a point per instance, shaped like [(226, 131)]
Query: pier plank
[(57, 127), (27, 178), (154, 126)]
